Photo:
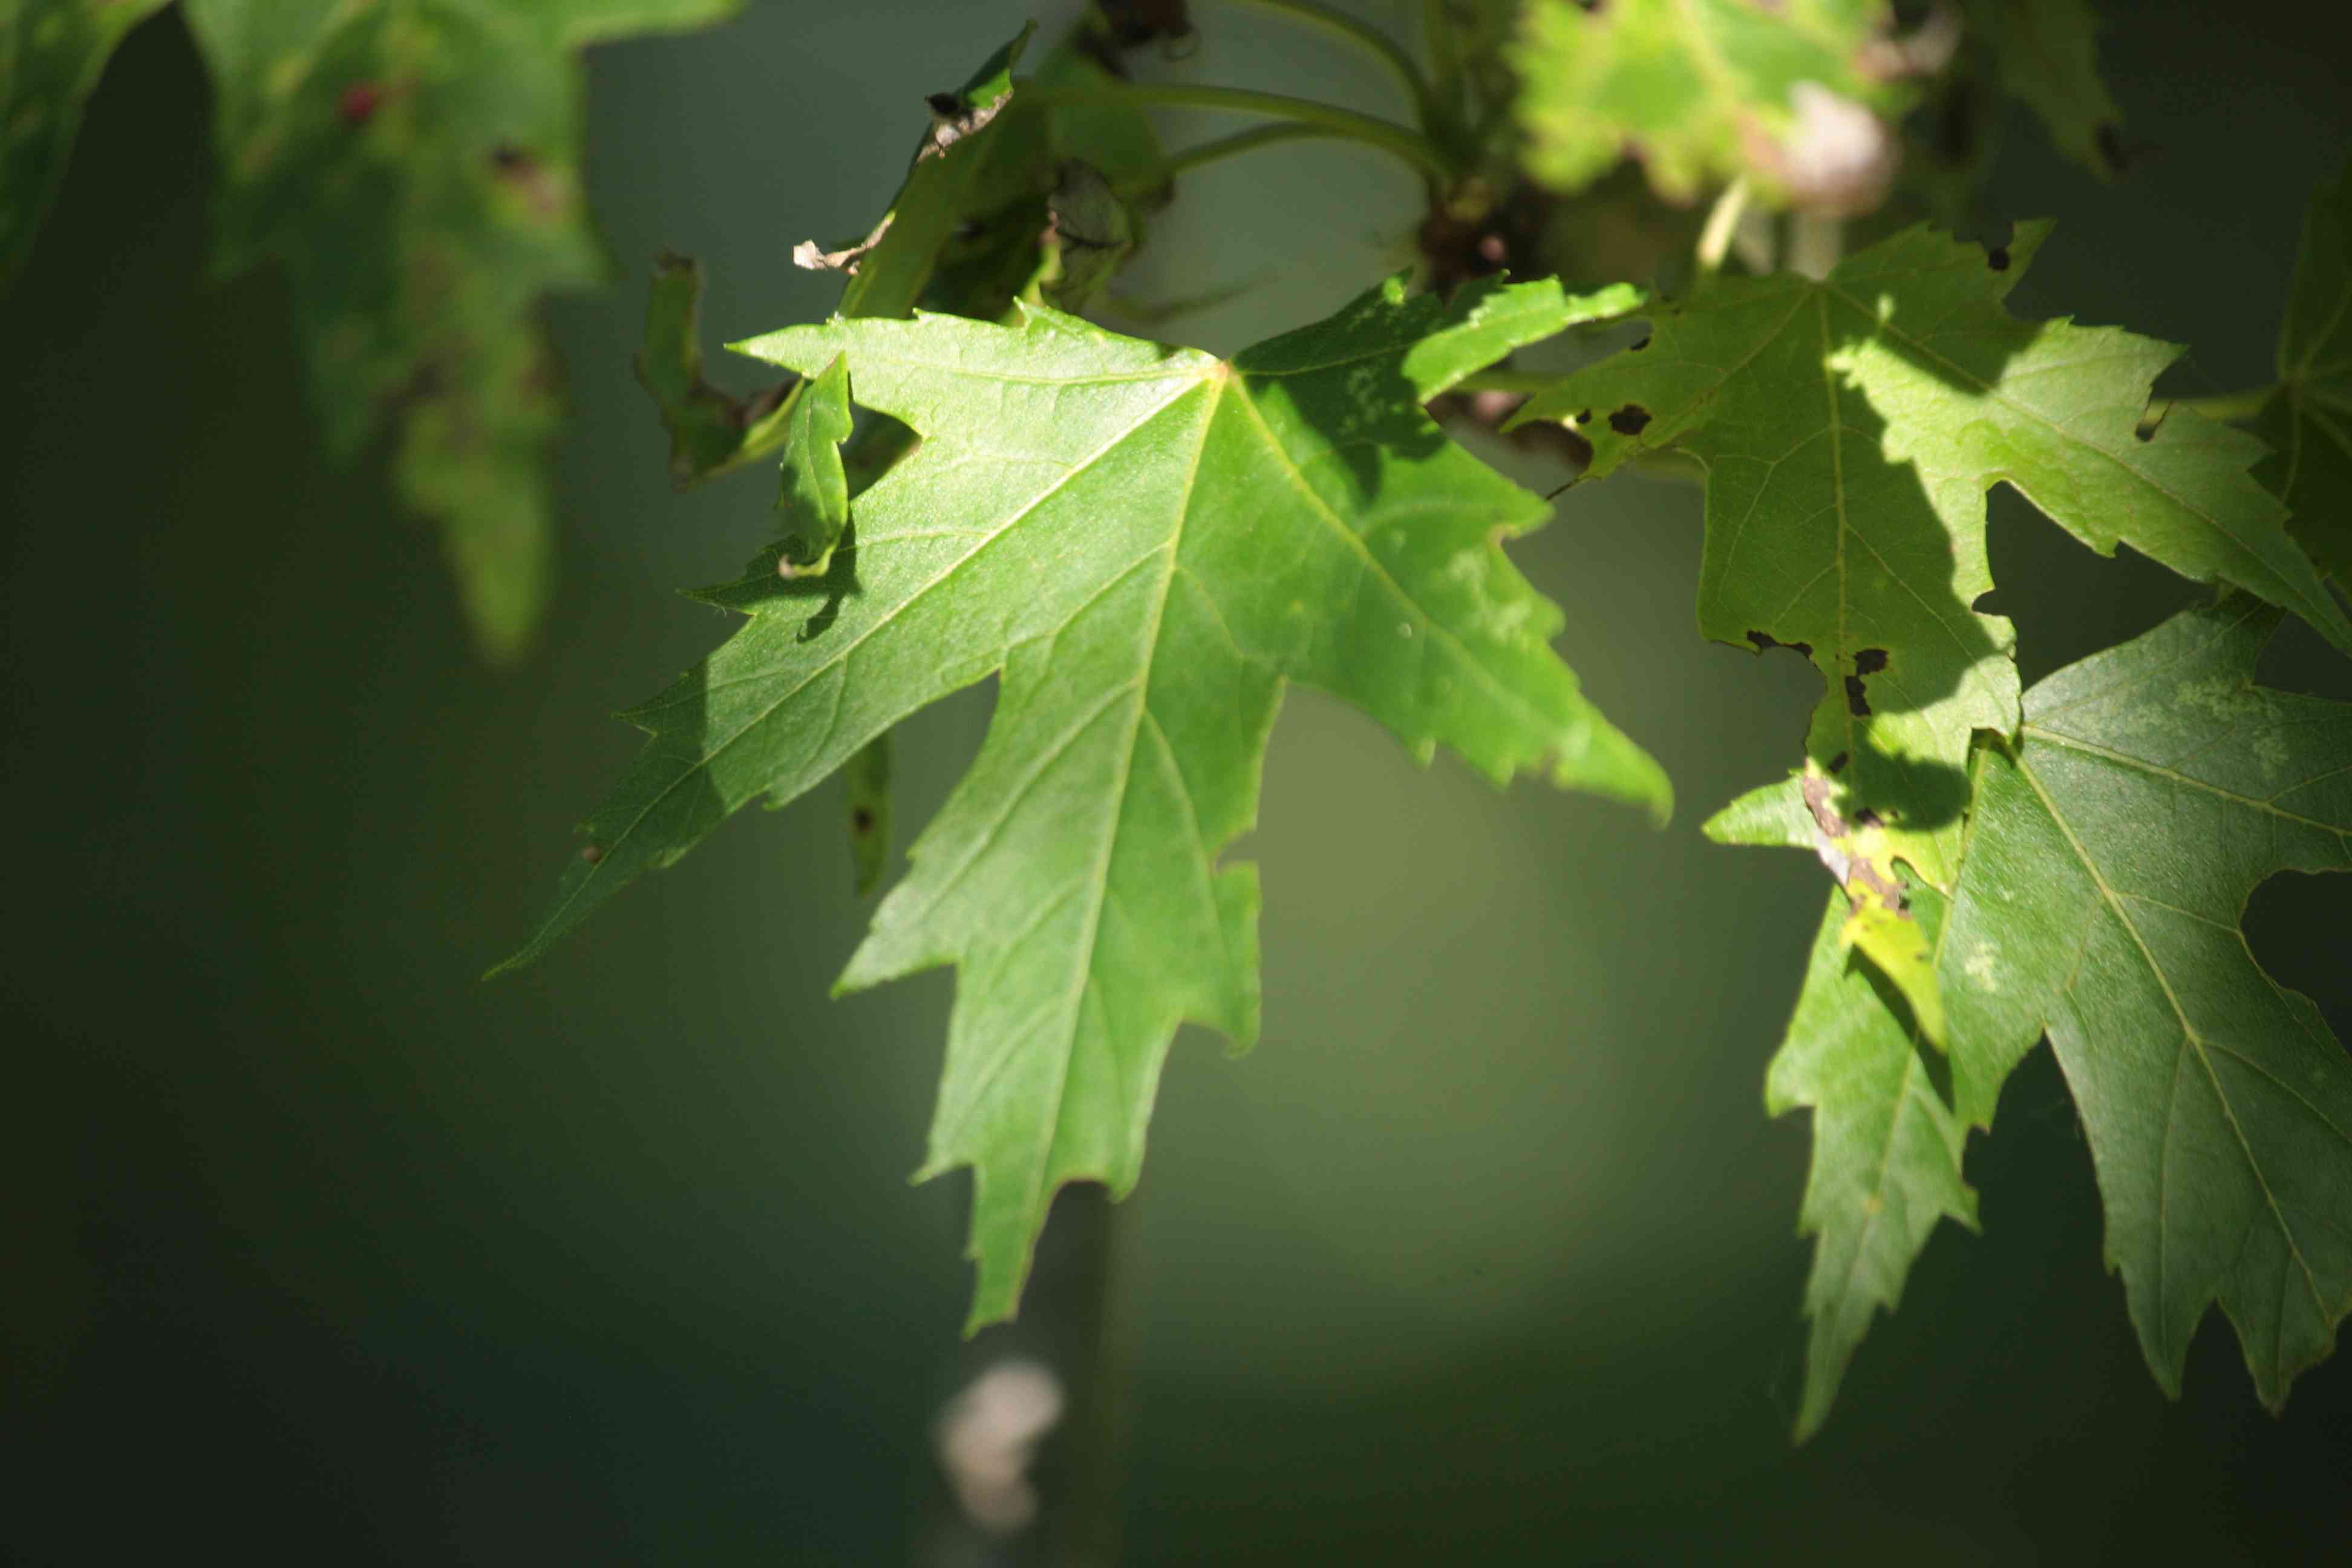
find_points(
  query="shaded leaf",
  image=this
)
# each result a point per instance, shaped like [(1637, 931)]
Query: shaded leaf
[(1148, 543), (2046, 53), (1886, 1149), (709, 428), (51, 53), (2308, 420), (865, 778), (2110, 858)]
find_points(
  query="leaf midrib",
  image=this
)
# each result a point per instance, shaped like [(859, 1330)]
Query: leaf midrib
[(556, 916)]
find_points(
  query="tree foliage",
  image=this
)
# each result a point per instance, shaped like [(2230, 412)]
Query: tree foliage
[(1144, 543)]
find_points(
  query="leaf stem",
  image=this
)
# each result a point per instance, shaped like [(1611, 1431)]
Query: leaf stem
[(1398, 140), (1444, 56), (1365, 36), (1242, 142), (2229, 407), (1722, 221), (1816, 242)]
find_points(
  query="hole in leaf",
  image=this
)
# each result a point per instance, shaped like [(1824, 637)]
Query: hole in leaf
[(1766, 640), (2294, 928)]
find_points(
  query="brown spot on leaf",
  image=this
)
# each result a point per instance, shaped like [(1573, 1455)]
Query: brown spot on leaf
[(1584, 416), (810, 256), (1837, 764), (1630, 419), (359, 103), (1869, 661), (861, 822), (1857, 702), (592, 853)]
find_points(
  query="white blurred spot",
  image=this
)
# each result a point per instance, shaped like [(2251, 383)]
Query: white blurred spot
[(1840, 159), (988, 1434)]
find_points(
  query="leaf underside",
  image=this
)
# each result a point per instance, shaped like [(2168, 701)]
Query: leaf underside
[(1146, 542)]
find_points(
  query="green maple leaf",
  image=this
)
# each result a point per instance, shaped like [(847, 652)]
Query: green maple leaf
[(1886, 1149), (1699, 90), (2110, 858), (1148, 543), (51, 53), (2308, 420), (414, 166), (1850, 428)]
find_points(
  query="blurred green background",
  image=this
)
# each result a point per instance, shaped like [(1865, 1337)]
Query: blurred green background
[(319, 1250)]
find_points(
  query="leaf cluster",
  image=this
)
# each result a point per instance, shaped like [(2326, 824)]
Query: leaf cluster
[(1145, 544)]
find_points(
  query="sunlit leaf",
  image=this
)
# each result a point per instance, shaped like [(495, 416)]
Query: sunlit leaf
[(1850, 429), (1148, 543)]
